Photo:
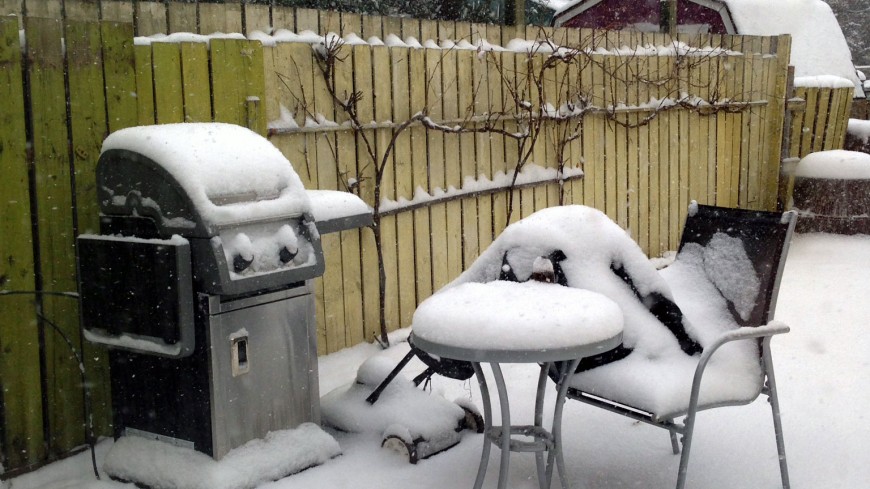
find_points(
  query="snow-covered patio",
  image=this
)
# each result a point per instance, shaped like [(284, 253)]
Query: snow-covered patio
[(822, 371)]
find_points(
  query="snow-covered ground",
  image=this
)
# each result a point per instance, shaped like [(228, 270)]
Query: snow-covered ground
[(823, 372)]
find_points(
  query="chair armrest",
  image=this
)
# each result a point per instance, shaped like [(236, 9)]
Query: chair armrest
[(744, 333), (769, 329)]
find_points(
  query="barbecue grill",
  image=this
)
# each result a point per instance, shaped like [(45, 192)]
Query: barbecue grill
[(200, 284)]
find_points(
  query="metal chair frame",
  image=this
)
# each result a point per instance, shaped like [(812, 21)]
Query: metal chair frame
[(762, 333)]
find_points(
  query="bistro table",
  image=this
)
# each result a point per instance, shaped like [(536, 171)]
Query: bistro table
[(509, 322)]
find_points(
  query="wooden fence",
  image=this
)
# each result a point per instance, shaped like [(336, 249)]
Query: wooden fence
[(822, 125), (643, 177)]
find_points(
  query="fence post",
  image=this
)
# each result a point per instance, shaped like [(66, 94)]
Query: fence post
[(776, 120)]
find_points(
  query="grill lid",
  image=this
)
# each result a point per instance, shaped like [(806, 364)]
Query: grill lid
[(196, 178)]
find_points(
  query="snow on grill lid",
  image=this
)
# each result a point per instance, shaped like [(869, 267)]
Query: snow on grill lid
[(230, 173)]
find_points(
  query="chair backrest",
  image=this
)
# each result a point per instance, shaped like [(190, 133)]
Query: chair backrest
[(765, 237)]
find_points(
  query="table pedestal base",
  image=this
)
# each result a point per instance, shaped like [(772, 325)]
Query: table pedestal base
[(542, 440)]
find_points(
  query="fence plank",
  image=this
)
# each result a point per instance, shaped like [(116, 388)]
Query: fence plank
[(238, 84), (119, 67), (383, 105), (168, 94), (284, 18), (362, 76), (20, 394), (330, 22), (10, 7), (436, 160), (82, 9), (522, 67), (48, 9), (151, 18), (195, 82), (117, 11), (144, 84), (498, 160), (779, 71), (452, 168), (307, 20), (351, 23), (755, 165), (467, 161), (403, 173), (256, 18), (87, 112), (420, 177), (181, 17), (351, 266), (327, 178), (220, 17), (482, 155), (55, 229)]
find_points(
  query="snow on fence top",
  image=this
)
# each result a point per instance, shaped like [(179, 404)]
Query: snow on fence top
[(516, 45)]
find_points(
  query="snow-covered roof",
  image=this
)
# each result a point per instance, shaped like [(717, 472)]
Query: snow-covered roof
[(818, 44)]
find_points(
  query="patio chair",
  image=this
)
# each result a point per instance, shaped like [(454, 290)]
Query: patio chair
[(708, 269)]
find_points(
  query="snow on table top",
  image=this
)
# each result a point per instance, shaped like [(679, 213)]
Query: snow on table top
[(511, 316), (231, 173), (835, 164)]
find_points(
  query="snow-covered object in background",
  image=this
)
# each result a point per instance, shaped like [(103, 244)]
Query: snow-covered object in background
[(835, 164), (594, 245), (818, 45), (160, 465), (230, 173), (859, 129), (657, 374), (425, 415), (823, 81)]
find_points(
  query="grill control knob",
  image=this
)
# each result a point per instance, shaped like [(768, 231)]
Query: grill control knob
[(240, 264), (286, 256)]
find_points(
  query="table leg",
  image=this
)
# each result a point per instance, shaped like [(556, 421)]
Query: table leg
[(487, 425), (543, 481), (505, 425), (565, 375)]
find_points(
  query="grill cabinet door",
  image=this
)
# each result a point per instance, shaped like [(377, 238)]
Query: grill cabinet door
[(264, 369)]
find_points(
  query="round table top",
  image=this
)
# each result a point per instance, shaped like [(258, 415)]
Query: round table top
[(505, 321)]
